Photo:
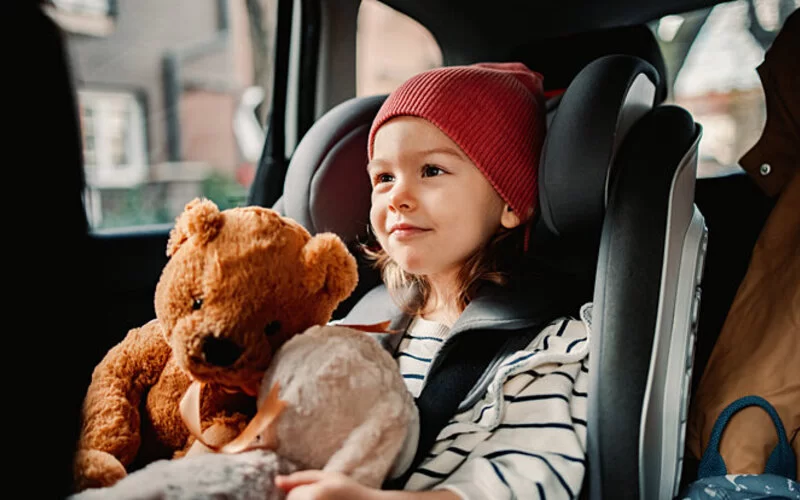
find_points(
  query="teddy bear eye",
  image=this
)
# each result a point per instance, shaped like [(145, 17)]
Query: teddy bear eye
[(197, 304), (272, 328)]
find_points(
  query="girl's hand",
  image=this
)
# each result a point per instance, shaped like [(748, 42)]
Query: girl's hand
[(321, 485)]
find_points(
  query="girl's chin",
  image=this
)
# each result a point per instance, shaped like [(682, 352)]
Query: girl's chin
[(413, 263), (416, 268), (411, 267)]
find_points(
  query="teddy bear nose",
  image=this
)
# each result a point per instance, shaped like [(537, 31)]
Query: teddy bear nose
[(220, 352)]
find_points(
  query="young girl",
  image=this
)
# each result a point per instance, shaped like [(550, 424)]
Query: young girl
[(453, 161)]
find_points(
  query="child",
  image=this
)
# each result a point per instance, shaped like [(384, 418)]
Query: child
[(453, 161)]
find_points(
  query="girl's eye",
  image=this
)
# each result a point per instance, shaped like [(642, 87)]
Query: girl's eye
[(380, 178), (431, 171)]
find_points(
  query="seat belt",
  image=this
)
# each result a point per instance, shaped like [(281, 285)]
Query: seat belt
[(467, 358)]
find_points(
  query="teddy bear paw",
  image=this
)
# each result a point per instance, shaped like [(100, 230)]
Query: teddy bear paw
[(97, 469)]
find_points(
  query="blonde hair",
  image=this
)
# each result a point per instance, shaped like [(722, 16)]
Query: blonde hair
[(499, 261)]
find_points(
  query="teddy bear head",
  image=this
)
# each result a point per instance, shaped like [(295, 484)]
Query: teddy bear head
[(239, 283)]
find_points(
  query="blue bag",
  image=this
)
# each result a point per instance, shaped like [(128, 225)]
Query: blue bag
[(777, 481)]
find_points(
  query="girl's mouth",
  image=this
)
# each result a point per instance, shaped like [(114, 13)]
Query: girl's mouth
[(405, 231)]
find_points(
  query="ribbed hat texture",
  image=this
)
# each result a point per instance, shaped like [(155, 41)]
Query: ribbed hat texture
[(495, 113)]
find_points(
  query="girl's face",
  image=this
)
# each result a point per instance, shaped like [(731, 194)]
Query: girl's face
[(431, 206)]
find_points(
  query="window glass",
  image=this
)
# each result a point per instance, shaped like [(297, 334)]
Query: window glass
[(390, 48), (711, 57), (173, 97)]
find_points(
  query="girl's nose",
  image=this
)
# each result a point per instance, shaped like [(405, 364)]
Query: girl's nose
[(401, 198)]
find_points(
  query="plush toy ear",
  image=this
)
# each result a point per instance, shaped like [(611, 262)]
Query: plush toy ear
[(330, 267), (200, 218)]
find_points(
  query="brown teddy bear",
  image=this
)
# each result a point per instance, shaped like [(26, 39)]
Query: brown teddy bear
[(238, 284)]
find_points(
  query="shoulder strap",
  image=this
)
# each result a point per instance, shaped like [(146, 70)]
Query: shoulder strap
[(466, 359)]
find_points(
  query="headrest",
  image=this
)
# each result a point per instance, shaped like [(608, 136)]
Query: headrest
[(589, 122), (327, 188), (561, 59)]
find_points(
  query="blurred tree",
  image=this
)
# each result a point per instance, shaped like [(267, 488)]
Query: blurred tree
[(131, 207), (224, 191)]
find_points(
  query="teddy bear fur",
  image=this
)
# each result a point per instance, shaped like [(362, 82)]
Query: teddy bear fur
[(237, 285), (347, 410)]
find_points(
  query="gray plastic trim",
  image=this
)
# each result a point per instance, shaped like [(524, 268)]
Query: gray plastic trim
[(666, 395), (638, 101)]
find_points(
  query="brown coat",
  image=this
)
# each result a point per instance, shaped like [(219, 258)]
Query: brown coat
[(774, 159), (758, 351)]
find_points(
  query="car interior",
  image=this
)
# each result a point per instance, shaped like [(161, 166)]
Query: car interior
[(623, 217)]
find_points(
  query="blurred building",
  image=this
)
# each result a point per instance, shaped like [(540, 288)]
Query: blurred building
[(391, 47), (159, 86)]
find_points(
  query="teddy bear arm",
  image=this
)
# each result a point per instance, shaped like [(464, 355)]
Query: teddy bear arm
[(111, 418), (369, 451)]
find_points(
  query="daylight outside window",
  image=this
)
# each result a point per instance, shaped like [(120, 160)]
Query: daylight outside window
[(711, 57)]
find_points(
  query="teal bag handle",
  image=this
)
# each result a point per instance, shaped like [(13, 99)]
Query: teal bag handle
[(781, 461)]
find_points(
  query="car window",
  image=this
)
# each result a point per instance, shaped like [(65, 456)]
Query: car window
[(174, 95), (390, 48), (711, 57), (172, 102)]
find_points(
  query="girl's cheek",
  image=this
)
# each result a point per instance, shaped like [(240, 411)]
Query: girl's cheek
[(378, 203), (375, 216)]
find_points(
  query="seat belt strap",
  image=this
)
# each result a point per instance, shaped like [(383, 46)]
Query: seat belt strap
[(466, 359)]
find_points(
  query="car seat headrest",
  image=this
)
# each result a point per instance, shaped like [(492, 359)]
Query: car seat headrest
[(327, 187), (589, 122), (561, 59)]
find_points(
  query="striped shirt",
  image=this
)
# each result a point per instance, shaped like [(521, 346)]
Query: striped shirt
[(526, 438), (420, 344)]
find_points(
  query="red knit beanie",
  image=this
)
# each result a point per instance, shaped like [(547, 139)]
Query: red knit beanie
[(494, 111)]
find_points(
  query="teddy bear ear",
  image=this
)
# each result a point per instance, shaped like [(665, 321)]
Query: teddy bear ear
[(330, 267), (201, 218)]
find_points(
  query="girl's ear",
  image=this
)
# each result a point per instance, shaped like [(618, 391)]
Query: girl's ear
[(509, 219)]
